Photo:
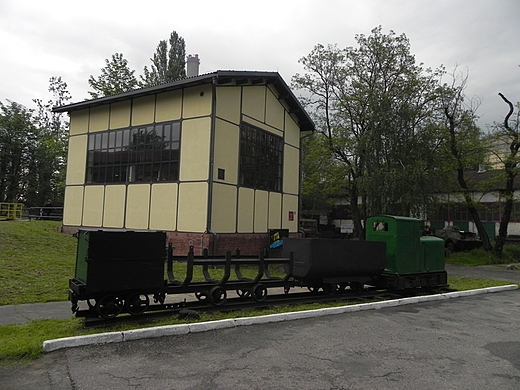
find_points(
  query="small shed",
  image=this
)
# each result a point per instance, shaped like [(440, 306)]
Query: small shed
[(213, 160)]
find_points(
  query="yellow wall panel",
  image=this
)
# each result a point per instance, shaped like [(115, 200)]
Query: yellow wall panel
[(263, 126), (197, 101), (292, 131), (99, 117), (73, 206), (261, 211), (291, 169), (253, 103), (120, 114), (224, 209), (163, 207), (114, 210), (228, 103), (246, 208), (290, 206), (168, 106), (275, 210), (137, 206), (93, 206), (143, 110), (227, 140), (77, 159), (195, 140), (274, 111), (79, 122), (193, 206)]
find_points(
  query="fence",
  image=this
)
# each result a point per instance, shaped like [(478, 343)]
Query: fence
[(9, 211), (45, 213)]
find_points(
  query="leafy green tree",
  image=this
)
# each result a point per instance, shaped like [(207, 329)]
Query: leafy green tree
[(323, 178), (18, 137), (376, 108), (168, 62), (116, 77), (49, 160), (33, 149)]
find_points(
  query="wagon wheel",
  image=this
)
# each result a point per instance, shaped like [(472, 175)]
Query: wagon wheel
[(357, 286), (243, 293), (217, 295), (109, 306), (330, 288), (313, 289), (137, 304), (201, 296), (258, 292)]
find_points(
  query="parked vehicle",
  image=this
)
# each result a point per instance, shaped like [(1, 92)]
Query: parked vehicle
[(458, 240)]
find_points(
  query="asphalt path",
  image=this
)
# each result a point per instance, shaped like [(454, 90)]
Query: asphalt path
[(463, 343)]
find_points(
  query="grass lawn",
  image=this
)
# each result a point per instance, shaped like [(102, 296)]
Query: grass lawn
[(36, 262)]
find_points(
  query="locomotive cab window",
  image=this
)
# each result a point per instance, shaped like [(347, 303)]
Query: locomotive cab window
[(134, 155), (380, 227)]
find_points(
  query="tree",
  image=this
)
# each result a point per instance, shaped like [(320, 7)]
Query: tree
[(168, 63), (50, 157), (509, 133), (18, 137), (464, 142), (33, 148), (116, 77), (323, 178), (376, 108)]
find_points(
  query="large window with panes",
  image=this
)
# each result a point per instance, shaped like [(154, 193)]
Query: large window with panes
[(261, 159), (135, 154)]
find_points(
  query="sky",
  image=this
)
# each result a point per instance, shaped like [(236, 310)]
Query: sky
[(72, 39)]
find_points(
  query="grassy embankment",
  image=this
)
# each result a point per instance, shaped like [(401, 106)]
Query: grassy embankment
[(36, 263)]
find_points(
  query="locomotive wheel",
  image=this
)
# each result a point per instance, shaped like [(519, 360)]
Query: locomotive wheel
[(357, 286), (137, 304), (243, 293), (258, 292), (330, 288), (201, 296), (217, 295), (109, 306)]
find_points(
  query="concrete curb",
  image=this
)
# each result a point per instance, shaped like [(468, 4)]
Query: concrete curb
[(175, 330)]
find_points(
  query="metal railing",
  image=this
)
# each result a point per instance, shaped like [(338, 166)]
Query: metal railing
[(9, 211), (45, 213)]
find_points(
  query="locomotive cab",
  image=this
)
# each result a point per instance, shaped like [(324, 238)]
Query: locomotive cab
[(411, 260)]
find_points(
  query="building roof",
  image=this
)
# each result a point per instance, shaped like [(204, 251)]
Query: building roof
[(219, 77)]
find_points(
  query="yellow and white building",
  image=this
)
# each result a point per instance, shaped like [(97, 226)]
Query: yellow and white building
[(212, 159)]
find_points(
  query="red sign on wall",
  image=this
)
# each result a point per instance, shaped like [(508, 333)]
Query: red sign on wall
[(291, 215)]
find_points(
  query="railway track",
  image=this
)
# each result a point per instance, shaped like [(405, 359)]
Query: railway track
[(193, 309)]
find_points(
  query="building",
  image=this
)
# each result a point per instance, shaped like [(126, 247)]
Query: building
[(212, 159)]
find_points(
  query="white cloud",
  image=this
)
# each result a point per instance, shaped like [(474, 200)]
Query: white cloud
[(73, 39)]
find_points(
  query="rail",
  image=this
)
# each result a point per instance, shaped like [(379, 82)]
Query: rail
[(45, 213), (10, 211)]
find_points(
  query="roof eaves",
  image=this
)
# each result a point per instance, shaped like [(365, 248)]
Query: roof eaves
[(221, 77)]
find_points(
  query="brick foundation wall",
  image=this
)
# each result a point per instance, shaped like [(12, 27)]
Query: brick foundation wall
[(250, 244)]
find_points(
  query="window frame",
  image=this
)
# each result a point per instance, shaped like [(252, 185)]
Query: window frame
[(137, 154), (261, 157)]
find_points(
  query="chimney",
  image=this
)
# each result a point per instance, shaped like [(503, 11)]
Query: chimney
[(192, 65)]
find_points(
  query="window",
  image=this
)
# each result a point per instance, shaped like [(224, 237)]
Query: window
[(261, 159), (133, 155)]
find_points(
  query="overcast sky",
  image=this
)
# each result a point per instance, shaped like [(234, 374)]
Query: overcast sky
[(72, 39)]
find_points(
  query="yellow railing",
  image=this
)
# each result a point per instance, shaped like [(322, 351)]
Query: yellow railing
[(10, 211)]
